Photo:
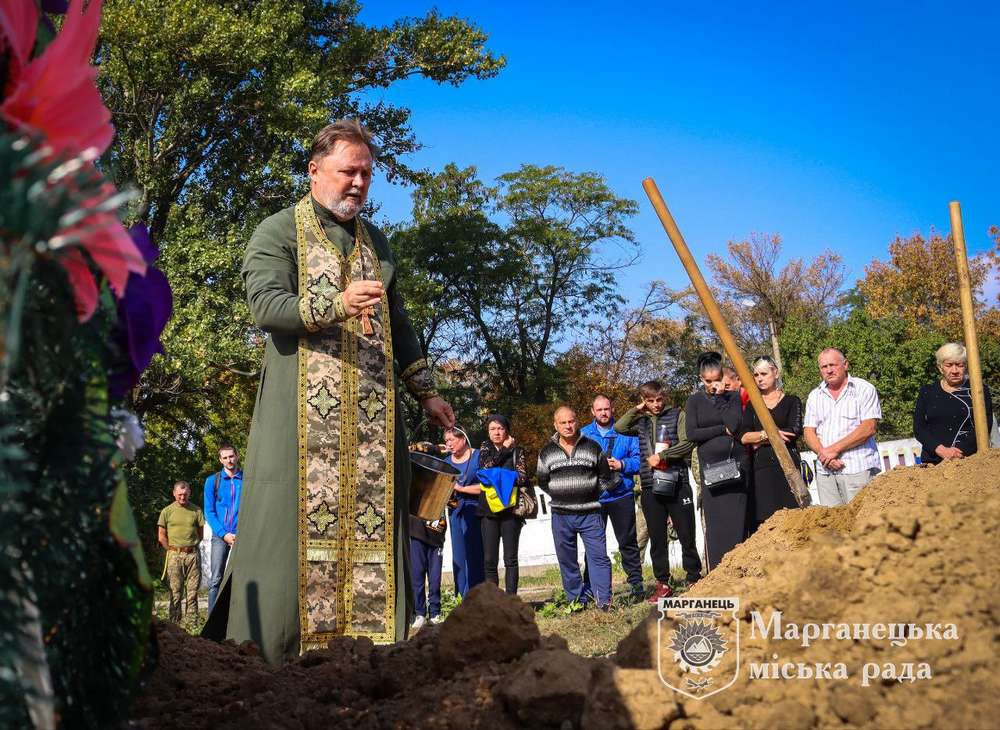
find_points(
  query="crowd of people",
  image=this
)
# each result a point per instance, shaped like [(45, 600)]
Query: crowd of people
[(632, 471)]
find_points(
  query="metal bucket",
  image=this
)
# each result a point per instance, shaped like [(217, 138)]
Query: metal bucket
[(432, 485)]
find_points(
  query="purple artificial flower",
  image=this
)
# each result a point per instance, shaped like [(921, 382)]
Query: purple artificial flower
[(56, 7), (142, 314)]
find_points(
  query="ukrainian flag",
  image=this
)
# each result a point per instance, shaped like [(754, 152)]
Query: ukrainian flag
[(499, 486)]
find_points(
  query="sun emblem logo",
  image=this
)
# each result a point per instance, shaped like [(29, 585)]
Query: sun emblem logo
[(698, 647)]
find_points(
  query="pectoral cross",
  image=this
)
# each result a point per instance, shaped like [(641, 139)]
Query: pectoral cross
[(366, 323)]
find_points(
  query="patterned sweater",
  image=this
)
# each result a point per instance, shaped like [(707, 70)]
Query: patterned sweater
[(574, 481)]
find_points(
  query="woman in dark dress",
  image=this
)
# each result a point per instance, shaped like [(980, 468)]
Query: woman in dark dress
[(942, 417), (713, 417), (499, 450), (770, 490)]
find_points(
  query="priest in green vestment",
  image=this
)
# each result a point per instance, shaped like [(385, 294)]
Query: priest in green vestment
[(322, 548)]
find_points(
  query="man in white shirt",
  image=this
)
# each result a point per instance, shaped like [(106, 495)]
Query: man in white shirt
[(840, 421)]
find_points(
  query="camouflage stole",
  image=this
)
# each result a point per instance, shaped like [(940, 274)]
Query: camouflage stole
[(346, 400)]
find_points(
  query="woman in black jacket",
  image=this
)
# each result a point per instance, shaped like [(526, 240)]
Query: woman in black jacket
[(499, 450), (942, 417), (770, 491), (713, 418)]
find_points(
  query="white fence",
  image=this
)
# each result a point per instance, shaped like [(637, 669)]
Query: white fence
[(536, 546)]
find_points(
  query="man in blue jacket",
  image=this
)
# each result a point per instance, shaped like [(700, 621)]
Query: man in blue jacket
[(222, 508), (618, 502)]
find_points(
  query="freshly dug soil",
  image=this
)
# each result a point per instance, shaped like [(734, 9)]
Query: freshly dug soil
[(916, 546)]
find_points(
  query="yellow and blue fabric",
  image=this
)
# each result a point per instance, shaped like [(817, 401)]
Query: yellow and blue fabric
[(499, 486)]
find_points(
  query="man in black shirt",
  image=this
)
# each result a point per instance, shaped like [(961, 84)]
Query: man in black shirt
[(573, 471)]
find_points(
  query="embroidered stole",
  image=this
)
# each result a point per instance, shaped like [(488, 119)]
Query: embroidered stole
[(346, 400)]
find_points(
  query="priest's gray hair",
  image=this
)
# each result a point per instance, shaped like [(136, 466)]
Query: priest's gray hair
[(348, 130)]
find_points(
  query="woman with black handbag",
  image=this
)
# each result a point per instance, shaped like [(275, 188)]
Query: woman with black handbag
[(713, 418), (770, 487)]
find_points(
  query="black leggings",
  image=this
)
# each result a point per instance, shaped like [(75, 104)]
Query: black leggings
[(508, 527)]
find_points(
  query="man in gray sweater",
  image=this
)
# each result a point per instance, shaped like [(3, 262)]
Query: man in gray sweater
[(573, 471)]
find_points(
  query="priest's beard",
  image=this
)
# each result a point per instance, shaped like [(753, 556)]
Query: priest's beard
[(346, 208)]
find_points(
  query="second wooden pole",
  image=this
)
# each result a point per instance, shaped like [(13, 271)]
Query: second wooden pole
[(969, 325)]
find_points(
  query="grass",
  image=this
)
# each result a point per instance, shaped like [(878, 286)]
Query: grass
[(591, 632), (595, 633)]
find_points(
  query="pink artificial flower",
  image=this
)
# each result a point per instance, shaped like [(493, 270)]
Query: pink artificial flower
[(109, 245), (56, 94), (82, 282), (18, 24)]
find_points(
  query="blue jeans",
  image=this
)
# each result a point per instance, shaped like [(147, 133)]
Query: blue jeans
[(427, 561), (468, 563), (590, 527), (220, 553)]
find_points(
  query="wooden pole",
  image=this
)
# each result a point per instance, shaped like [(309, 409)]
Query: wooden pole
[(792, 473), (969, 325)]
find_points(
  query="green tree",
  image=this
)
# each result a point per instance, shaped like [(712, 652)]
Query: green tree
[(214, 102), (511, 269), (882, 351), (223, 95), (560, 224)]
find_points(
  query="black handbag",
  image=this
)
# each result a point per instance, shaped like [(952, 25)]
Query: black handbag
[(667, 484), (726, 473)]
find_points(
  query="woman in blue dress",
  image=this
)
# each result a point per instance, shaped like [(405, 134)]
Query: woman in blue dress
[(466, 535)]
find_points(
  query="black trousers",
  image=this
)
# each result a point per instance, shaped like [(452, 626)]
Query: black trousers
[(621, 512), (680, 510), (507, 527)]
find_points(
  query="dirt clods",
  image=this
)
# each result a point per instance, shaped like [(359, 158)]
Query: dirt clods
[(916, 548)]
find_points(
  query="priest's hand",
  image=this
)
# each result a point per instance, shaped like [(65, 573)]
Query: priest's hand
[(361, 294), (438, 411)]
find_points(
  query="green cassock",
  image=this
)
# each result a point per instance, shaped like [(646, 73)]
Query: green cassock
[(322, 547)]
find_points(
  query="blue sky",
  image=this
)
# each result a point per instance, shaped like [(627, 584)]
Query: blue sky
[(836, 125)]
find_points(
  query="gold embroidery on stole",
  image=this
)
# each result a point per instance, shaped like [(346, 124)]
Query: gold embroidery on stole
[(346, 440)]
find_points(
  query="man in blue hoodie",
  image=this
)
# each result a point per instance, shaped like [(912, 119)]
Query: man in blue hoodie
[(617, 503), (222, 507)]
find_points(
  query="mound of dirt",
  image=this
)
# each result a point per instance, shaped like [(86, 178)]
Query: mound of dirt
[(917, 546), (914, 547)]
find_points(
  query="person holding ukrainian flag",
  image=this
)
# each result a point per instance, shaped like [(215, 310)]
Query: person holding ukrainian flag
[(501, 472)]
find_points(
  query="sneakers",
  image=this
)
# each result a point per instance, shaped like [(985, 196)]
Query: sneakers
[(418, 623), (439, 619), (662, 591)]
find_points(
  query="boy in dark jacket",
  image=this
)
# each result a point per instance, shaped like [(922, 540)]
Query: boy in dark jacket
[(666, 492)]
